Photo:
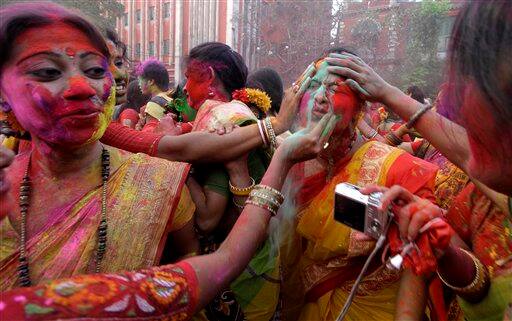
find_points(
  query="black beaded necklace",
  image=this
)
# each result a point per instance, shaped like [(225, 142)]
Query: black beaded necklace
[(25, 191)]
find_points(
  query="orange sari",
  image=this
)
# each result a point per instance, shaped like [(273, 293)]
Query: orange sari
[(331, 254), (142, 198)]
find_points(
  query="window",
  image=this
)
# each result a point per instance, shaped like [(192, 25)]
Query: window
[(444, 36), (151, 48), (165, 48), (125, 19), (137, 50), (137, 16), (167, 10), (152, 13)]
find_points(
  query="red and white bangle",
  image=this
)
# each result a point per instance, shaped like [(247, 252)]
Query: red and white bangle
[(261, 128)]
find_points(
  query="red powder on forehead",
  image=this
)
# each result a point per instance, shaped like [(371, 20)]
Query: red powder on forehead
[(344, 100), (57, 36)]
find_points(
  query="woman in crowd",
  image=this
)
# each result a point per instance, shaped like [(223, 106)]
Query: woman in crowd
[(129, 111), (269, 81), (118, 66), (174, 292), (479, 98), (322, 262), (55, 85), (215, 75)]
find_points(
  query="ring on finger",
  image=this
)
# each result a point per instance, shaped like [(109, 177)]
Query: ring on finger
[(296, 88)]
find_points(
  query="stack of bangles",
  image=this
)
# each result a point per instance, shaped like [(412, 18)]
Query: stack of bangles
[(267, 133), (266, 197), (393, 139), (372, 135), (241, 192), (479, 283)]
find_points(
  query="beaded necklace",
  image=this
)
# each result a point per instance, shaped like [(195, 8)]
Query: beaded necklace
[(25, 192)]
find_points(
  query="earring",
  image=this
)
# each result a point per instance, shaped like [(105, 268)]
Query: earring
[(210, 92), (4, 106)]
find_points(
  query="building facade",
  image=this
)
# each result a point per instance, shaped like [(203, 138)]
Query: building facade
[(168, 29)]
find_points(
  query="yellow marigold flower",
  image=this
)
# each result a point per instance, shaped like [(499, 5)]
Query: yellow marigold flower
[(259, 98)]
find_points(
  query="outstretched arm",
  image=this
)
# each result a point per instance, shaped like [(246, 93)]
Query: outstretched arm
[(203, 146), (448, 137), (167, 290)]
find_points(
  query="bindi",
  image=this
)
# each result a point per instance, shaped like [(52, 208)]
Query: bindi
[(70, 52)]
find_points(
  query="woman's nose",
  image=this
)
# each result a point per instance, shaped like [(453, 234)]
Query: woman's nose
[(320, 97), (79, 89)]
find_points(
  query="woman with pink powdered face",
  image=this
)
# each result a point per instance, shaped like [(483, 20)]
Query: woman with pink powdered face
[(83, 207), (74, 199)]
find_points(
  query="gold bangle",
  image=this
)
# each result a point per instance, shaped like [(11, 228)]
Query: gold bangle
[(271, 133), (263, 205), (240, 206), (244, 191), (265, 197), (479, 282), (277, 193)]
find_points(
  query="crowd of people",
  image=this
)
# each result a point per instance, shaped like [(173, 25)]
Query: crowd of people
[(126, 196)]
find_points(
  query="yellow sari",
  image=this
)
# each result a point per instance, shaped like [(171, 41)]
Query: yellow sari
[(332, 254), (144, 203)]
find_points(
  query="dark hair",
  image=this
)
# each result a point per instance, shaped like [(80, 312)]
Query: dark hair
[(155, 70), (269, 81), (112, 36), (416, 93), (228, 65), (479, 52), (19, 17), (135, 99), (339, 50)]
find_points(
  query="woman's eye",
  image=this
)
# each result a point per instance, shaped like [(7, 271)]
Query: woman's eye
[(314, 85), (118, 63), (46, 74), (96, 72)]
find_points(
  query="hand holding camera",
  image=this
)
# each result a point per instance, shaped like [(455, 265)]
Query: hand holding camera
[(420, 234)]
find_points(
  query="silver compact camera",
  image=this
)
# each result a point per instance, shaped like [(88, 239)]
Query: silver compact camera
[(360, 212)]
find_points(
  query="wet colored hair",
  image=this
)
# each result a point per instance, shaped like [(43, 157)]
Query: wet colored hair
[(479, 52), (416, 93), (270, 82), (153, 69), (19, 17), (228, 65), (121, 46)]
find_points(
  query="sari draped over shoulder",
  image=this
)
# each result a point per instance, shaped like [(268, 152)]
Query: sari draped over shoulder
[(235, 112), (142, 196), (488, 231), (256, 290), (333, 254)]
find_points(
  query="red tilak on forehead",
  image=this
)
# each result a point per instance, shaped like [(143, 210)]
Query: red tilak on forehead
[(58, 36)]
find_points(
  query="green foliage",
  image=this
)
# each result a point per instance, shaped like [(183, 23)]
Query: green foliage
[(102, 12), (423, 67)]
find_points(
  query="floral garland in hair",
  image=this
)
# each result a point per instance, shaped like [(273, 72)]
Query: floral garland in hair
[(253, 96)]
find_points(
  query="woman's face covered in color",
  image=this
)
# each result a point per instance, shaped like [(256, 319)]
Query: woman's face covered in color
[(58, 85), (328, 93), (118, 67)]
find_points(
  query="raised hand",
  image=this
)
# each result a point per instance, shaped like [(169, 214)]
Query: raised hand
[(308, 142), (360, 77), (291, 101)]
